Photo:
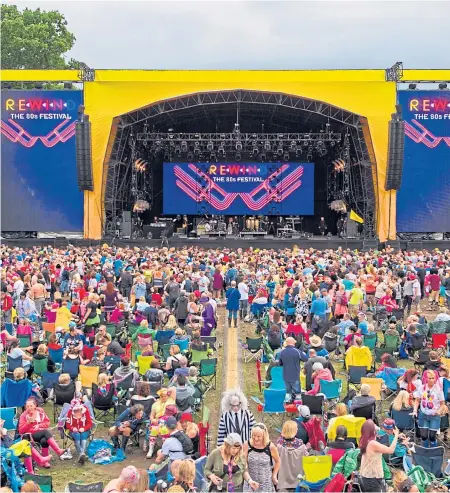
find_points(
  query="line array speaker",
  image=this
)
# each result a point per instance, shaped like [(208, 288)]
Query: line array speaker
[(396, 152), (83, 155)]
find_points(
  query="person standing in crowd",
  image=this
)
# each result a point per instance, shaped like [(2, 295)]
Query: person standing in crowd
[(235, 417), (290, 359), (233, 298)]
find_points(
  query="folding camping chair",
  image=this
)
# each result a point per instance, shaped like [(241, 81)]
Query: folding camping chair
[(49, 379), (197, 356), (144, 363), (144, 340), (45, 483), (89, 376), (390, 378), (84, 488), (391, 342), (183, 345), (164, 351), (24, 341), (370, 340), (56, 355), (208, 372), (163, 337), (316, 472), (332, 392), (9, 416), (252, 349), (104, 405), (277, 381), (72, 367), (375, 385), (353, 425), (89, 352), (431, 459), (273, 405), (48, 328), (405, 422), (355, 373), (114, 361), (422, 357), (111, 330), (14, 363), (315, 403), (39, 366), (439, 343), (210, 340)]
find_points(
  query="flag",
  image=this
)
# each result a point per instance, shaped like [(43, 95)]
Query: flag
[(355, 217)]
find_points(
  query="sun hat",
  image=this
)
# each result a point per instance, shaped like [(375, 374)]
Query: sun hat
[(315, 341)]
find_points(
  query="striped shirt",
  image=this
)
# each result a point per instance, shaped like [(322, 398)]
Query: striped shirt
[(241, 423)]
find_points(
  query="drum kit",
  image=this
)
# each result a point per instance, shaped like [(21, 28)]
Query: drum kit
[(216, 224)]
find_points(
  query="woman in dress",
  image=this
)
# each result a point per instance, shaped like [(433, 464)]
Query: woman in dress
[(110, 298), (341, 307), (263, 460)]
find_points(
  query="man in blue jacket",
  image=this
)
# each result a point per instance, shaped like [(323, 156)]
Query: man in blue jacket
[(290, 358), (233, 297)]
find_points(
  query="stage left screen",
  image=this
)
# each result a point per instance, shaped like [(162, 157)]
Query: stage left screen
[(39, 174), (243, 188)]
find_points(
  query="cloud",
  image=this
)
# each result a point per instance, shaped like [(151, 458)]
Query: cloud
[(257, 35)]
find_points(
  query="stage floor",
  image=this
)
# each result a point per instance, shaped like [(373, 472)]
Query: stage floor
[(317, 242)]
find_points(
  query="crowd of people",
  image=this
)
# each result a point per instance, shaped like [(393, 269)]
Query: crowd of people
[(143, 319)]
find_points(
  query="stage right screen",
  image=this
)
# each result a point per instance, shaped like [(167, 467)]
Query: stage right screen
[(423, 202), (243, 188)]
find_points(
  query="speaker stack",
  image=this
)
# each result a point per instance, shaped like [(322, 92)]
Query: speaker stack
[(125, 226), (396, 151), (83, 153)]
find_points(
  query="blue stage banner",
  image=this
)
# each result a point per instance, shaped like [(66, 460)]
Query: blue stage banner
[(423, 202), (39, 175), (239, 188)]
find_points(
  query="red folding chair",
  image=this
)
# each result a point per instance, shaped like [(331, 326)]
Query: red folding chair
[(336, 454), (439, 342), (89, 352)]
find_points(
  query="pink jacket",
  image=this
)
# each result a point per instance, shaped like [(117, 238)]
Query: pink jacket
[(324, 374)]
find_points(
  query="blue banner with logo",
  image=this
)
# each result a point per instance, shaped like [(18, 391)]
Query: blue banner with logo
[(238, 188), (39, 175), (423, 202)]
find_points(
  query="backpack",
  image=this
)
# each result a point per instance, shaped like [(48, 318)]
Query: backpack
[(186, 442), (188, 286), (335, 484), (186, 403)]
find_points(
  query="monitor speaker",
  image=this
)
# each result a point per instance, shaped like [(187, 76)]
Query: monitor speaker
[(126, 216), (396, 151), (83, 155), (126, 229)]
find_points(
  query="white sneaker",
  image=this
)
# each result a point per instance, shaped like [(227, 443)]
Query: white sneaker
[(67, 455), (151, 449)]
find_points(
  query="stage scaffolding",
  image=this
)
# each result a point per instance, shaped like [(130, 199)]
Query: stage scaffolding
[(142, 125)]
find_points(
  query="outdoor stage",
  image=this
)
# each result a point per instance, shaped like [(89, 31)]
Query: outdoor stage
[(316, 242)]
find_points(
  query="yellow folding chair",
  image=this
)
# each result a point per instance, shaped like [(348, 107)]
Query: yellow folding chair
[(144, 363), (352, 423), (375, 386), (88, 375), (317, 467), (445, 362)]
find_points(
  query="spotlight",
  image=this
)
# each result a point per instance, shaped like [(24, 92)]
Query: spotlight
[(238, 146), (190, 156), (184, 146), (298, 152), (221, 151), (178, 150), (442, 86), (196, 151), (286, 156), (263, 156), (238, 156), (210, 146), (280, 151), (411, 87), (255, 151)]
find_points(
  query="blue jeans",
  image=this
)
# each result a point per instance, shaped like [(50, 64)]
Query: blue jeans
[(80, 436), (293, 387), (232, 314)]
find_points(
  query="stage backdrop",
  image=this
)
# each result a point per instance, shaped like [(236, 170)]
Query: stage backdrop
[(423, 202), (243, 188), (39, 175)]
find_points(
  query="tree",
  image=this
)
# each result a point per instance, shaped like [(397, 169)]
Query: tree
[(34, 39)]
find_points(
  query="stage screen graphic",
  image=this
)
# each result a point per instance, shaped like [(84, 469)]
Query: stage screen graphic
[(39, 174), (423, 202), (243, 188)]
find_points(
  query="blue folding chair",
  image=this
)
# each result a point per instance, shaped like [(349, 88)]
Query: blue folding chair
[(72, 367), (404, 421), (277, 381), (56, 355), (331, 390), (163, 337), (9, 416), (446, 389), (183, 345), (15, 393), (257, 309), (114, 361), (390, 377), (14, 363), (273, 405), (10, 328), (355, 373), (49, 379)]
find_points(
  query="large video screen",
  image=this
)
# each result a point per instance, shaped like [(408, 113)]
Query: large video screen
[(423, 202), (39, 172), (243, 188)]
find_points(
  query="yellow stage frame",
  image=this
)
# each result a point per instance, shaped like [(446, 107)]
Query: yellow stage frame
[(116, 92)]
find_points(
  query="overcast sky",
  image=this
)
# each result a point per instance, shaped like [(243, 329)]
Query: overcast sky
[(257, 35)]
